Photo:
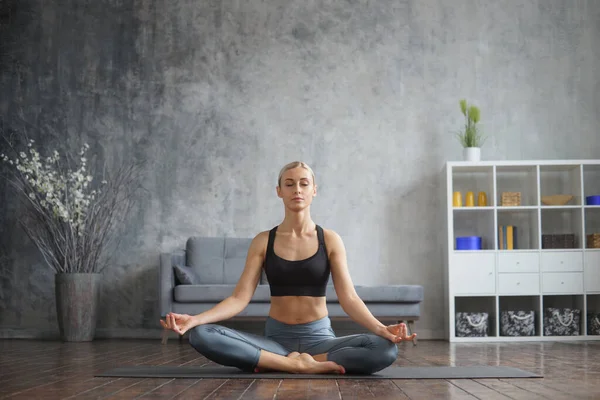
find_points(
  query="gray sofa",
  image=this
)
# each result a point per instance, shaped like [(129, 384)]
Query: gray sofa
[(218, 263)]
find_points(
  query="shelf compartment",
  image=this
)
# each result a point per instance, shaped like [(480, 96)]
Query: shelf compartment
[(475, 223), (522, 179), (520, 316), (562, 315), (591, 180), (474, 179), (561, 228), (592, 226), (524, 229), (592, 271), (593, 315), (561, 179), (475, 316)]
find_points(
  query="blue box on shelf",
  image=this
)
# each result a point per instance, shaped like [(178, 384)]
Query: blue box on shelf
[(593, 200), (468, 243)]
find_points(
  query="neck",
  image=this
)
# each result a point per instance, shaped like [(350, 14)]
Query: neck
[(297, 223)]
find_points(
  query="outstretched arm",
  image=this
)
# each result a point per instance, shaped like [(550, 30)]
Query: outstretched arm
[(232, 305), (351, 303)]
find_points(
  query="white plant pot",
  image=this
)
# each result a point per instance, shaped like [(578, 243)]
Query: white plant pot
[(472, 153)]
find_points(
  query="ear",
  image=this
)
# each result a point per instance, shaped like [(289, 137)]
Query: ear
[(278, 189), (314, 190)]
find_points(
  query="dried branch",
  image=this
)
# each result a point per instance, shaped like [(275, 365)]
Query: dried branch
[(69, 216)]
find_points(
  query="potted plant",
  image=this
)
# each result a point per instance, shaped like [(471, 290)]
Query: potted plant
[(470, 136), (70, 215)]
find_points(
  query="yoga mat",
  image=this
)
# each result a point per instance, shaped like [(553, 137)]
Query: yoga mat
[(464, 372)]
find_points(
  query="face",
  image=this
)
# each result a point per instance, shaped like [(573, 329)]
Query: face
[(297, 188)]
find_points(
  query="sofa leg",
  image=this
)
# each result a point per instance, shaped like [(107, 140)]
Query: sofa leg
[(410, 331), (165, 337)]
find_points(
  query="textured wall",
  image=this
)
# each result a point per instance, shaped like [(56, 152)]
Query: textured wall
[(218, 95)]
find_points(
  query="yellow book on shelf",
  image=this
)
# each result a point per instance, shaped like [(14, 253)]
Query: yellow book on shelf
[(509, 237)]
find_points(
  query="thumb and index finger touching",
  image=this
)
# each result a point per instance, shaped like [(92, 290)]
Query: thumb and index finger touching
[(171, 323)]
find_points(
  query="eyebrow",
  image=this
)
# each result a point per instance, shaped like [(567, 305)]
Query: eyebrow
[(290, 179)]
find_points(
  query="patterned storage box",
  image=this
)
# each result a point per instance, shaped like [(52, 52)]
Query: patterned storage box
[(517, 323), (561, 322), (471, 324), (593, 324), (558, 241)]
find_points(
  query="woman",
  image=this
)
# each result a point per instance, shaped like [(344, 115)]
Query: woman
[(298, 256)]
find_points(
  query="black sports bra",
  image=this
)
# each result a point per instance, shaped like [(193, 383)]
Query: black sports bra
[(306, 277)]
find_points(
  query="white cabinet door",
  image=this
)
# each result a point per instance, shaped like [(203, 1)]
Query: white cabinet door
[(473, 273), (563, 282), (518, 262), (562, 261), (592, 271)]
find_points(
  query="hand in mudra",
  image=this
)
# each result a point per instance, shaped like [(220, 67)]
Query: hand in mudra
[(398, 333), (179, 323)]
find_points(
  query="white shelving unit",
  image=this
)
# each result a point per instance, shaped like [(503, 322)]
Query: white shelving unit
[(532, 276)]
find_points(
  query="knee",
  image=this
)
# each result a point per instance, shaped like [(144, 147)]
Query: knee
[(385, 350), (204, 337)]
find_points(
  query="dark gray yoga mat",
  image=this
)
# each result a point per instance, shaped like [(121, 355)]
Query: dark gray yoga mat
[(464, 372)]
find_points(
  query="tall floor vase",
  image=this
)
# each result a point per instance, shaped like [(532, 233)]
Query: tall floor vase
[(76, 305)]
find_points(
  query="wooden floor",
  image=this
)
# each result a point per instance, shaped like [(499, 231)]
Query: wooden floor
[(55, 370)]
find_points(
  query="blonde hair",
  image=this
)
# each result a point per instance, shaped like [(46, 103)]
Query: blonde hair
[(295, 164)]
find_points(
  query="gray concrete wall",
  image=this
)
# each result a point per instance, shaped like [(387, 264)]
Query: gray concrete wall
[(218, 95)]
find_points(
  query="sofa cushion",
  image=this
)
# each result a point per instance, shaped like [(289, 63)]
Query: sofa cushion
[(186, 275), (236, 251), (382, 294), (369, 294), (205, 256), (217, 260), (391, 293), (215, 293), (260, 310)]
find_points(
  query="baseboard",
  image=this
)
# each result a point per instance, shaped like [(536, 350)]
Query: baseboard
[(28, 333), (152, 333), (101, 333)]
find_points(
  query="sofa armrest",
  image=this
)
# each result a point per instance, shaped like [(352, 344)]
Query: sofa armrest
[(166, 280)]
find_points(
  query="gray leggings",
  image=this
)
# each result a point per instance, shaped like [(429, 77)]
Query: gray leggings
[(358, 354)]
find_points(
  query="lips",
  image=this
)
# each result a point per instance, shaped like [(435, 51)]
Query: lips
[(297, 198)]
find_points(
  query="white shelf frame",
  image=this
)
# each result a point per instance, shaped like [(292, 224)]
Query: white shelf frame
[(492, 168)]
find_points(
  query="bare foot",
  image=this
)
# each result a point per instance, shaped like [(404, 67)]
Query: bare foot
[(309, 365), (293, 354)]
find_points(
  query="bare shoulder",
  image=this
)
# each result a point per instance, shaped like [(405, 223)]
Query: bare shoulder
[(259, 243), (333, 240)]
